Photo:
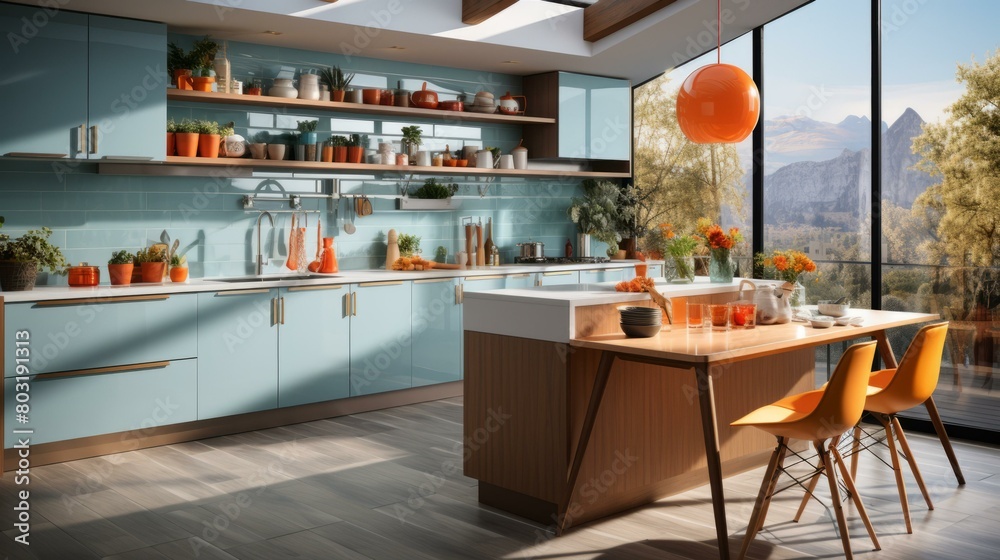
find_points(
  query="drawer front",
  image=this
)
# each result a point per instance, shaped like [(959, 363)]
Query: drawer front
[(66, 336), (483, 283), (560, 278), (521, 280), (88, 405)]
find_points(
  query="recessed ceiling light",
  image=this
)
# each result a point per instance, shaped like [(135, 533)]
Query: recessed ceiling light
[(269, 32)]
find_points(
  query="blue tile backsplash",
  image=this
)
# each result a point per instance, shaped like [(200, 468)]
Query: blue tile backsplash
[(93, 215)]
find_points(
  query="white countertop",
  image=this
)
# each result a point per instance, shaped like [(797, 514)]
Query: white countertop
[(48, 293), (573, 295)]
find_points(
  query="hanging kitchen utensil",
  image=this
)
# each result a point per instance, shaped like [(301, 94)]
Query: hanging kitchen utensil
[(315, 265), (349, 228), (368, 210), (292, 263)]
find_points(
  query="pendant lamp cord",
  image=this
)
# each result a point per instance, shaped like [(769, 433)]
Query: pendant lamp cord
[(718, 52)]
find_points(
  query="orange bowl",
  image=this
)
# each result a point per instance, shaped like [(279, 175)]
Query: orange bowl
[(452, 162), (461, 162)]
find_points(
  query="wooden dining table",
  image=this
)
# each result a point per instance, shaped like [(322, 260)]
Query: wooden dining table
[(700, 352)]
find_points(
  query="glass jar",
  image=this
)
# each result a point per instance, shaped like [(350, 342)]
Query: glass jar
[(678, 270), (721, 267)]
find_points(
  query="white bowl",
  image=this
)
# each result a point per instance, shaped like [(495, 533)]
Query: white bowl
[(833, 309), (821, 322)]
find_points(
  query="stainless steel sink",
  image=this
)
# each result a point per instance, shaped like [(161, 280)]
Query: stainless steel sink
[(267, 278)]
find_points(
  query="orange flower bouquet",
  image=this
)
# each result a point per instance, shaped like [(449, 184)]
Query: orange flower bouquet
[(788, 266), (721, 268)]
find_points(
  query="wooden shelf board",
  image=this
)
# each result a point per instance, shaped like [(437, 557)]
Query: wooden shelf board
[(380, 110)]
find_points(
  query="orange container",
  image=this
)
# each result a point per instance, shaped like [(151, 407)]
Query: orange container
[(84, 275)]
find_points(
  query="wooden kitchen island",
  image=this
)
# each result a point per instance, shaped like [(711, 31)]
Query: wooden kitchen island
[(567, 421)]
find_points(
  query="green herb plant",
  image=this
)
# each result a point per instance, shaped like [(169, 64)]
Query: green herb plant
[(409, 244), (121, 257), (434, 190), (308, 126), (150, 254)]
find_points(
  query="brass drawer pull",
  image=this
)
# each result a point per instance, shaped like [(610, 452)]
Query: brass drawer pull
[(491, 277), (314, 288), (432, 280), (109, 299), (385, 283), (109, 369), (567, 273), (243, 292)]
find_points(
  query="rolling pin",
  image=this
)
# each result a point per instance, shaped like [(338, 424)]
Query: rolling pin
[(468, 243), (480, 254)]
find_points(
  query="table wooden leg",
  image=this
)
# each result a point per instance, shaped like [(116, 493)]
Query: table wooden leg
[(932, 411), (706, 401), (596, 395)]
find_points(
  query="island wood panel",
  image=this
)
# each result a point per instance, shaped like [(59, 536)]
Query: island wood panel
[(523, 382), (650, 417)]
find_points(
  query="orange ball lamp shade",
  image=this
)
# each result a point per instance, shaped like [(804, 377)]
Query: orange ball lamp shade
[(718, 103)]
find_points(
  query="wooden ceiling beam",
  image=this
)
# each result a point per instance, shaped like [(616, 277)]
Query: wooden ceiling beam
[(478, 11), (604, 17)]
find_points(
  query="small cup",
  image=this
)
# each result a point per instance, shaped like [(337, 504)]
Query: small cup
[(719, 315), (695, 315), (641, 269), (276, 151), (438, 161), (258, 150), (424, 158), (742, 315), (402, 159), (507, 161)]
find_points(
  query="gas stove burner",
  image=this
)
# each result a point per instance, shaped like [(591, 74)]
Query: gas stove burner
[(590, 260), (561, 260), (530, 260)]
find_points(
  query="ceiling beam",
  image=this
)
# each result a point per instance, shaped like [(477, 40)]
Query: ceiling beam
[(604, 17), (478, 11)]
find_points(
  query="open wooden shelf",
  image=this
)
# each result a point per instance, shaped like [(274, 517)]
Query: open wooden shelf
[(176, 165), (358, 108)]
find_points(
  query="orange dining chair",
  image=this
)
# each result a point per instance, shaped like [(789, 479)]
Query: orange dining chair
[(892, 391), (821, 417)]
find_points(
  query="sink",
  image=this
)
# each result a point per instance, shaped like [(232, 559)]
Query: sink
[(268, 278)]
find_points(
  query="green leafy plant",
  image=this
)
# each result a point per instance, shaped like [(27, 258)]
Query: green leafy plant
[(432, 189), (354, 141), (262, 137), (121, 257), (227, 129), (412, 135), (203, 52), (441, 254), (150, 254), (207, 127), (178, 261), (408, 244), (338, 141), (177, 59), (308, 126), (335, 79), (171, 125), (187, 126), (596, 214), (33, 246)]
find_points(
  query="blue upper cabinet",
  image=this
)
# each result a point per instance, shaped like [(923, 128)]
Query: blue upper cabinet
[(380, 337), (84, 86), (314, 344), (127, 88), (593, 117), (437, 331), (45, 77)]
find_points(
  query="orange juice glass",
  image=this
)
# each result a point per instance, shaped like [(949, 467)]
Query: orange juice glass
[(640, 269)]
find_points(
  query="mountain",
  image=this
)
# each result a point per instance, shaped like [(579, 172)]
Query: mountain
[(797, 138), (901, 184)]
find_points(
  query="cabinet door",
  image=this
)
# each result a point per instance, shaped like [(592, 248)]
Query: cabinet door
[(314, 345), (517, 281), (127, 88), (483, 283), (594, 117), (237, 352), (43, 95), (84, 334), (653, 271), (103, 403), (559, 278), (380, 337), (437, 331)]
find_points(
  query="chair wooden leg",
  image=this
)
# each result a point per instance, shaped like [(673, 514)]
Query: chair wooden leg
[(763, 497), (831, 477), (912, 461), (849, 481), (774, 483), (900, 487), (809, 493), (942, 434), (854, 450)]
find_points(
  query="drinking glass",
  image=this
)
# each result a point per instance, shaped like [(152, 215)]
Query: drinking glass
[(742, 315), (719, 315), (695, 315)]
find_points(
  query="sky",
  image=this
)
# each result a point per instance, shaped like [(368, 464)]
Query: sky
[(818, 64)]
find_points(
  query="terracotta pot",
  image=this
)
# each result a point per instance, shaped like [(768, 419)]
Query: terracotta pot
[(371, 96), (337, 95), (178, 273), (354, 154), (171, 144), (182, 78), (253, 91), (153, 271), (120, 274), (208, 145), (424, 98), (187, 143), (202, 83), (340, 154)]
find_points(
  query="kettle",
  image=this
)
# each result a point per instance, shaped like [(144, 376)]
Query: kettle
[(772, 301), (510, 106)]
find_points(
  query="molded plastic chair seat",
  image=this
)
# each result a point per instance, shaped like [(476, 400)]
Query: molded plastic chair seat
[(820, 417)]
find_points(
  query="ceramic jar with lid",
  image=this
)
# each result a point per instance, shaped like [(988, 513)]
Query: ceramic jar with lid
[(84, 275), (283, 88), (520, 154), (308, 87)]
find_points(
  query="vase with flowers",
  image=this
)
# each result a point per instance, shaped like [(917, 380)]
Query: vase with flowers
[(721, 267), (788, 266), (677, 251)]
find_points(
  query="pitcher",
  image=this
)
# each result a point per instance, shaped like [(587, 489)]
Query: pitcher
[(772, 302)]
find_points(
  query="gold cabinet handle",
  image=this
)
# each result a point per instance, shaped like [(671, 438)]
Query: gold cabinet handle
[(313, 288), (88, 301), (384, 283), (490, 277), (274, 311), (354, 304), (459, 294), (242, 292), (566, 273), (282, 310), (81, 139), (432, 280), (109, 369), (93, 139)]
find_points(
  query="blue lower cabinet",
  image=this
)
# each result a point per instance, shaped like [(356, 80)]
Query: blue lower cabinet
[(559, 278), (521, 280), (653, 271), (90, 333), (130, 400), (436, 331), (380, 337), (314, 344), (483, 283), (237, 352)]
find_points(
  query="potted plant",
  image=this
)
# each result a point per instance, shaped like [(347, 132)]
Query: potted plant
[(120, 267), (627, 221), (180, 66), (209, 138), (186, 138), (152, 261), (677, 251), (411, 140), (202, 79), (255, 87), (178, 268), (432, 195), (409, 244), (307, 138), (339, 144), (337, 81), (355, 151), (171, 139), (21, 258), (596, 215)]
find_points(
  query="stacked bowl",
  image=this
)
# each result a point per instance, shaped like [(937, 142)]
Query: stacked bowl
[(640, 322)]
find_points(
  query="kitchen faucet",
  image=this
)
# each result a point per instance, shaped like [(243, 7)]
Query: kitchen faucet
[(260, 260)]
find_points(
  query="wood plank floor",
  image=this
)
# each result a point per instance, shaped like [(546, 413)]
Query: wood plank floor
[(388, 485)]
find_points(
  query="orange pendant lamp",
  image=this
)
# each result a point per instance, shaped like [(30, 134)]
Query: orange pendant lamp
[(718, 103)]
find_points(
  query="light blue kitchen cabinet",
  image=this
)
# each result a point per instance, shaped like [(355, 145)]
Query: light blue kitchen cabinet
[(558, 278), (652, 270), (605, 275), (381, 357), (84, 86), (67, 407), (237, 352), (483, 283), (90, 333), (314, 338), (520, 280), (437, 330), (593, 116)]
